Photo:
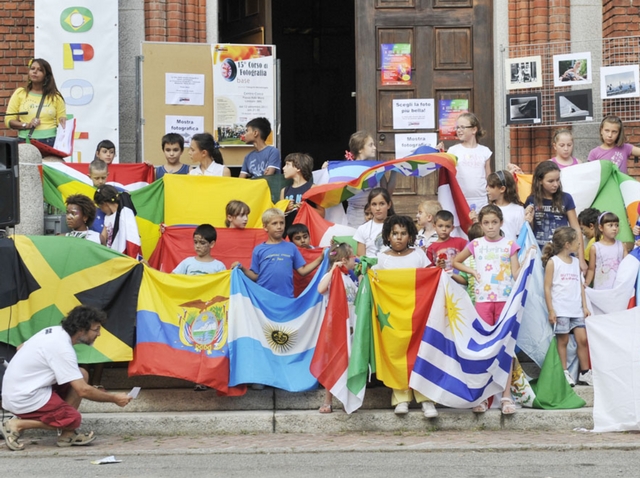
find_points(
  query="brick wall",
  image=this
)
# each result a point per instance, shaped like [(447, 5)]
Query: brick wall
[(620, 19), (530, 22), (16, 49), (175, 20)]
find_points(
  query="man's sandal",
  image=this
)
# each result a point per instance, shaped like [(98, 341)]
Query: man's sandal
[(508, 406), (326, 408), (77, 439), (11, 438)]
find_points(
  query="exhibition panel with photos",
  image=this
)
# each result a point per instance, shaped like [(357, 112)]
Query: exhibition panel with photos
[(566, 83)]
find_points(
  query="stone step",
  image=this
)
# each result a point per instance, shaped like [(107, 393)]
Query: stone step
[(310, 421), (187, 400)]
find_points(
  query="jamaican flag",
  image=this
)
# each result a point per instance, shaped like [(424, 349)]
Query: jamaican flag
[(68, 272)]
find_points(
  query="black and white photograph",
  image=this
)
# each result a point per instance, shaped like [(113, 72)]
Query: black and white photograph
[(524, 108), (619, 82), (574, 105), (525, 72), (572, 69)]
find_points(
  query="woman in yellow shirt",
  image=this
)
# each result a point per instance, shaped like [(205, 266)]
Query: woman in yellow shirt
[(40, 82)]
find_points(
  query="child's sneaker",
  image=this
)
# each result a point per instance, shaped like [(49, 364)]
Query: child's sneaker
[(402, 408), (429, 410), (569, 378), (585, 378)]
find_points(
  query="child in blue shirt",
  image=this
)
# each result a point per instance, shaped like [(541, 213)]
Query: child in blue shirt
[(263, 160), (173, 147), (204, 238), (273, 261)]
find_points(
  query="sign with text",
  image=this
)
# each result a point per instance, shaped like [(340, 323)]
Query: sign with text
[(244, 83), (186, 126), (414, 114), (184, 89), (406, 144)]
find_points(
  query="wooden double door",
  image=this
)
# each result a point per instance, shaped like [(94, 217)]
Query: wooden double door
[(452, 58)]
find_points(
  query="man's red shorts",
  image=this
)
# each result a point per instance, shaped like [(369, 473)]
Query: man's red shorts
[(56, 412)]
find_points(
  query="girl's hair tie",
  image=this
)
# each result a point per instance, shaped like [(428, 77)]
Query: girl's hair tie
[(333, 253), (216, 145), (348, 155)]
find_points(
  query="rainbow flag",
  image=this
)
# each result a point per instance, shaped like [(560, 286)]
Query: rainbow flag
[(182, 328), (419, 164)]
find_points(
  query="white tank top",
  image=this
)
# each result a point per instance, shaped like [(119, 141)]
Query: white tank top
[(566, 288), (608, 259)]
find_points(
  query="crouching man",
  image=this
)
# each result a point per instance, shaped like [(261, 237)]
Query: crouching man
[(43, 385)]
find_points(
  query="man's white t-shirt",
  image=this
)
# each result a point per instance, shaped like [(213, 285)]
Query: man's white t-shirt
[(45, 359)]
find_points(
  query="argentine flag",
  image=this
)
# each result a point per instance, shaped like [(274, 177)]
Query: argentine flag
[(272, 338)]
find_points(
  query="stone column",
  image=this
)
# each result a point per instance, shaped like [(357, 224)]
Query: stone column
[(31, 198)]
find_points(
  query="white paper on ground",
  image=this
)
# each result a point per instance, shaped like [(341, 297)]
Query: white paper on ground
[(106, 460)]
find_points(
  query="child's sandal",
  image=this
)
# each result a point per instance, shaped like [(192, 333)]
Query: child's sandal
[(326, 408), (508, 406), (481, 407)]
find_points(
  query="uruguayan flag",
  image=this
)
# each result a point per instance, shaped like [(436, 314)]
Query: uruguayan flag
[(272, 338), (462, 360)]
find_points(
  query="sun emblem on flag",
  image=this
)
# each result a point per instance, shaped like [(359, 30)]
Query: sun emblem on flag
[(453, 311), (206, 328), (280, 339)]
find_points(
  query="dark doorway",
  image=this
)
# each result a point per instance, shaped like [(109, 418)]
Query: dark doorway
[(315, 43)]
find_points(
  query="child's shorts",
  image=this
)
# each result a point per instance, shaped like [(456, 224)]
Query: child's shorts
[(490, 311), (565, 325)]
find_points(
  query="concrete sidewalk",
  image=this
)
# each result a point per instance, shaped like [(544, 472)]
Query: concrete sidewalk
[(462, 441)]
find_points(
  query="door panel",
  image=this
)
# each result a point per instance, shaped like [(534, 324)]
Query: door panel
[(451, 54)]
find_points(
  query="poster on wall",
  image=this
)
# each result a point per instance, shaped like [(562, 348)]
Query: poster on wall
[(395, 63), (525, 108), (244, 84), (619, 82), (79, 39), (574, 105), (406, 144), (525, 72), (414, 114), (186, 126), (448, 112), (184, 89), (572, 69)]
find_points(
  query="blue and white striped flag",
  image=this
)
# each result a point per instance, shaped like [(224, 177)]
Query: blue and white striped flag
[(462, 360)]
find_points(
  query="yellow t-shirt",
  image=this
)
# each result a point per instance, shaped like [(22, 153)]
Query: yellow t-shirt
[(588, 248), (52, 109)]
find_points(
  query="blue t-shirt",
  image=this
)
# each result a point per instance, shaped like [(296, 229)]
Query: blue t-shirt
[(274, 264), (98, 222), (161, 171), (255, 163), (193, 267), (547, 219)]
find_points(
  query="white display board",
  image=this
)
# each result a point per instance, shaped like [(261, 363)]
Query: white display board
[(79, 39)]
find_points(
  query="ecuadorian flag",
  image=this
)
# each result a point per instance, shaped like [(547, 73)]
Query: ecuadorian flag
[(183, 328)]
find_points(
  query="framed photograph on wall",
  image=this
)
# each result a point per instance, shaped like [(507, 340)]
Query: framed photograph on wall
[(572, 69), (619, 82), (524, 108), (574, 105), (525, 72)]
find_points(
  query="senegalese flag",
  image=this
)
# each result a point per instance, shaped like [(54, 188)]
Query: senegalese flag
[(423, 162), (402, 299), (71, 272), (182, 329), (597, 184)]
